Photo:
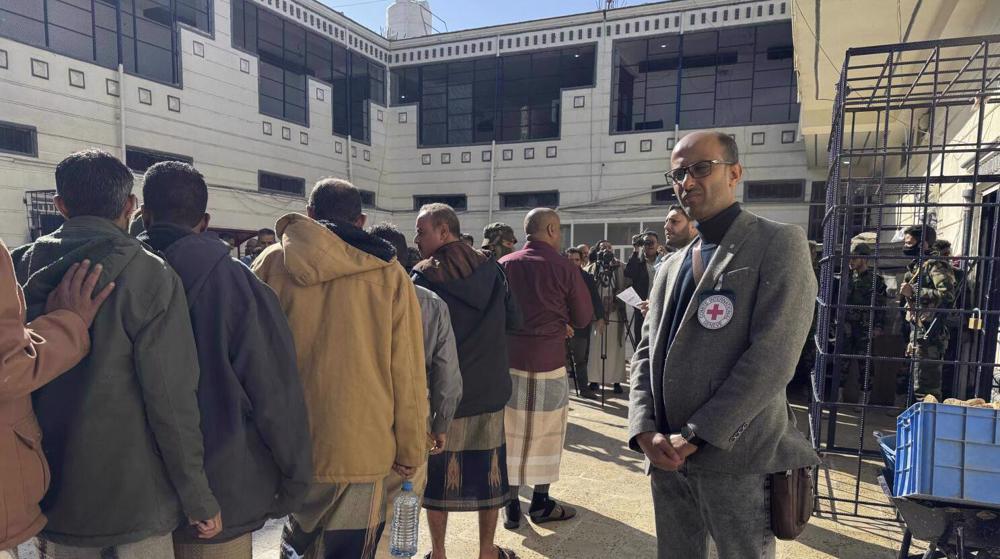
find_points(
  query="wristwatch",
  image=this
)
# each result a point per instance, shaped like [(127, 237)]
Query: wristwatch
[(688, 434)]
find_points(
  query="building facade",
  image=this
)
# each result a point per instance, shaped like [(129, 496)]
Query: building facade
[(267, 96)]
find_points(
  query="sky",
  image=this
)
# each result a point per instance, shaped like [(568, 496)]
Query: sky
[(469, 14)]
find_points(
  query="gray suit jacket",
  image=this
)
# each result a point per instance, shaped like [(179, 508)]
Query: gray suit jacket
[(730, 383)]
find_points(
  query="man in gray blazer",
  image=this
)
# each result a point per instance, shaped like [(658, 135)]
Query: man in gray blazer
[(728, 317)]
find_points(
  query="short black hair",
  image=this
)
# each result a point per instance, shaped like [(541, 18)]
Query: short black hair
[(335, 199), (265, 231), (649, 232), (923, 233), (576, 251), (93, 182), (678, 208), (389, 232), (175, 192)]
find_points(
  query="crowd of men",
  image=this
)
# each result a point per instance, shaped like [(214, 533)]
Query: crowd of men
[(163, 399)]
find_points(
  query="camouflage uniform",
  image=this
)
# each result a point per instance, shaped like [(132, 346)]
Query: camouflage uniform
[(938, 289), (857, 321)]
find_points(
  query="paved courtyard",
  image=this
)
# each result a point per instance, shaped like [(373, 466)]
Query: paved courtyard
[(603, 479)]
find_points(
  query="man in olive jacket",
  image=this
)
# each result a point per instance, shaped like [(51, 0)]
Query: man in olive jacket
[(122, 429)]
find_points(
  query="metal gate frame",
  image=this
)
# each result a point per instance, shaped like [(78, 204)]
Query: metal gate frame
[(898, 114)]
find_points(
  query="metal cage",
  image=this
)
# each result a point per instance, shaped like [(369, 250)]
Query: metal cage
[(43, 218), (913, 142)]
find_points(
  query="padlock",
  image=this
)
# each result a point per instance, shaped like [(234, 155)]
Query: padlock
[(976, 320)]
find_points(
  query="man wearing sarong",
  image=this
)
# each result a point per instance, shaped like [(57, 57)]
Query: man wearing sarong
[(470, 475), (552, 296)]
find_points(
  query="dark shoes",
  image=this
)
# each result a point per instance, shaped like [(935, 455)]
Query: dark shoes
[(589, 394), (512, 515), (552, 512), (593, 386), (618, 388)]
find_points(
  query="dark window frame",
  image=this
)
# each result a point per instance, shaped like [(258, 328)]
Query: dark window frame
[(506, 199), (33, 138), (749, 197), (155, 154), (420, 200), (278, 192)]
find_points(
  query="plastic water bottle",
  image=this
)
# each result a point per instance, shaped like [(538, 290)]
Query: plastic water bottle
[(405, 523)]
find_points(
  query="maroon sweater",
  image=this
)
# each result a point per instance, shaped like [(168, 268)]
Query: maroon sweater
[(551, 293)]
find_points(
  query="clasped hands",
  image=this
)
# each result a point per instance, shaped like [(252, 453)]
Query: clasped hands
[(667, 452)]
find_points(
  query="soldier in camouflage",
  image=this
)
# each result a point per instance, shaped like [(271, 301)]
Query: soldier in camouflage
[(498, 240), (863, 282), (926, 286)]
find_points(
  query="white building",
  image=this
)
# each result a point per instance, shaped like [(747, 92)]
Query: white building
[(268, 96)]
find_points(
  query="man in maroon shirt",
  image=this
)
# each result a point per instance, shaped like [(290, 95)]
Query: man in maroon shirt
[(552, 296)]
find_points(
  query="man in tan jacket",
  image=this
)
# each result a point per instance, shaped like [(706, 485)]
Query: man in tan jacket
[(31, 356), (355, 319)]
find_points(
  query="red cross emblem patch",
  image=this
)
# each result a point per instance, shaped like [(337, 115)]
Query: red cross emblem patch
[(715, 311)]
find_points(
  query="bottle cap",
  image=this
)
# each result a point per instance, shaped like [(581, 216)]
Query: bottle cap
[(407, 485)]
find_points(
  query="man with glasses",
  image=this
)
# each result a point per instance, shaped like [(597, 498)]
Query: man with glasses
[(641, 269), (727, 319)]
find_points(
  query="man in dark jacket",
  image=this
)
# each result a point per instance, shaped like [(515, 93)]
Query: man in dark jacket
[(258, 457), (122, 429), (578, 345), (641, 270), (471, 474)]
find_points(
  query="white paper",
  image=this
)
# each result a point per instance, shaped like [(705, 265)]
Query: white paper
[(630, 297)]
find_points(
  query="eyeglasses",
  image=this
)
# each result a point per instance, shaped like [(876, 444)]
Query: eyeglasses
[(697, 170)]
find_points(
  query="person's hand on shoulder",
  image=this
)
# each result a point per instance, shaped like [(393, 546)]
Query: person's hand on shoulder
[(75, 293)]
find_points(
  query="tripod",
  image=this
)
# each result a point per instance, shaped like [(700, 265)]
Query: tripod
[(608, 287)]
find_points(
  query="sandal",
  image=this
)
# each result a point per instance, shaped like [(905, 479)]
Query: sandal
[(503, 553), (555, 513)]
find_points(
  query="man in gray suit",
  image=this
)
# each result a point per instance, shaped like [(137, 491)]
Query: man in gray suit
[(728, 316)]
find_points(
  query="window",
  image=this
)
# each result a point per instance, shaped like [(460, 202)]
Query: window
[(15, 138), (289, 53), (458, 202), (280, 184), (367, 198), (663, 195), (773, 191), (89, 30), (515, 97), (529, 200), (140, 159), (729, 77)]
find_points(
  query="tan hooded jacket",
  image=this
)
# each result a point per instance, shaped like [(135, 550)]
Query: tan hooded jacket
[(358, 336)]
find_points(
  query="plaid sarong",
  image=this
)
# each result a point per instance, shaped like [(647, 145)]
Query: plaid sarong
[(337, 520), (535, 426), (471, 474), (156, 547), (239, 548)]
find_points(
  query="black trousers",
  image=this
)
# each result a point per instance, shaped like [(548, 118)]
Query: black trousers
[(578, 354)]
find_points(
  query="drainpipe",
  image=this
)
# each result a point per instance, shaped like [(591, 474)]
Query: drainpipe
[(493, 147), (347, 153), (121, 108)]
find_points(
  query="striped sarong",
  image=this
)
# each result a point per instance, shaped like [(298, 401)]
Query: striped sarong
[(471, 474), (337, 520), (239, 548), (535, 426)]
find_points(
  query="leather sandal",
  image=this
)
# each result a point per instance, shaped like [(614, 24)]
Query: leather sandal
[(556, 513)]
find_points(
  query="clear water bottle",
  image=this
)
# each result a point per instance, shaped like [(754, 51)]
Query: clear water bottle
[(405, 523)]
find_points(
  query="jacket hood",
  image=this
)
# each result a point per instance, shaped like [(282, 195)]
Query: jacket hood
[(46, 260), (475, 290), (317, 252)]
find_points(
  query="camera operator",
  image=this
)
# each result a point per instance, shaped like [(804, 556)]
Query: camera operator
[(641, 269), (610, 340)]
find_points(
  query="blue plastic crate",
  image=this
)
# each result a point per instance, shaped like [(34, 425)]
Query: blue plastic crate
[(948, 453)]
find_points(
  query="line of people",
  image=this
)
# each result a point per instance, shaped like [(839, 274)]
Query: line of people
[(208, 397)]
